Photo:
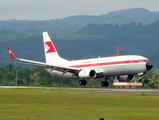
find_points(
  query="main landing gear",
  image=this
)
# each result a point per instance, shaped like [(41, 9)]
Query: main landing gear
[(104, 83), (82, 82)]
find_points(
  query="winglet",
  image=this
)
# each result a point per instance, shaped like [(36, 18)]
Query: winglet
[(11, 53)]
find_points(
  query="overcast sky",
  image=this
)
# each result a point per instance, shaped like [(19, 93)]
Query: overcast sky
[(53, 9)]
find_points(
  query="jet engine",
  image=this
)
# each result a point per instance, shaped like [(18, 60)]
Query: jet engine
[(87, 73), (125, 78)]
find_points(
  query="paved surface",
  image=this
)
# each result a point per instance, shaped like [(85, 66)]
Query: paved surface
[(99, 90), (135, 91)]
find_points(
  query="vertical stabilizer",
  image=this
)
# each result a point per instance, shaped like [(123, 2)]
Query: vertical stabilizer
[(51, 54)]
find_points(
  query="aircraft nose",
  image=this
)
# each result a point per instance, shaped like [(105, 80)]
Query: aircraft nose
[(149, 65)]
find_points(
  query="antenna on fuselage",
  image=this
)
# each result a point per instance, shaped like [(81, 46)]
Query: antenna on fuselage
[(117, 51)]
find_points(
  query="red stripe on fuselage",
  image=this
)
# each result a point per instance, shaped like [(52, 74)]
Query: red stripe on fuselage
[(108, 63)]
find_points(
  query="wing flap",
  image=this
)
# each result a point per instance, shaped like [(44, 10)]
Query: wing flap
[(63, 69)]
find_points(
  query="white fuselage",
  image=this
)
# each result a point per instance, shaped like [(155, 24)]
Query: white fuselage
[(122, 67), (106, 66)]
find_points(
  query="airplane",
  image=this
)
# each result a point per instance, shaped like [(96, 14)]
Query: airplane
[(124, 68)]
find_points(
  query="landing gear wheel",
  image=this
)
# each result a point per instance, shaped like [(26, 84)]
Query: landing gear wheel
[(82, 82), (104, 84)]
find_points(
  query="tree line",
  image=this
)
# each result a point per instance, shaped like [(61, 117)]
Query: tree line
[(37, 76)]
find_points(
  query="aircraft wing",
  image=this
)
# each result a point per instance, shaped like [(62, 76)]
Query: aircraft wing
[(63, 69)]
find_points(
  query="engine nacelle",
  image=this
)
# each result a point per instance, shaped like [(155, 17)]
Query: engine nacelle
[(87, 73), (125, 78)]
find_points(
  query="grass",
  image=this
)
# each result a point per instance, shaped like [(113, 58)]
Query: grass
[(46, 104)]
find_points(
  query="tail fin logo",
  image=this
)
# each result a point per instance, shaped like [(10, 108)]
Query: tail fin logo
[(49, 47)]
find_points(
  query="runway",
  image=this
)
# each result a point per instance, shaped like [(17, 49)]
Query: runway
[(144, 91), (135, 91)]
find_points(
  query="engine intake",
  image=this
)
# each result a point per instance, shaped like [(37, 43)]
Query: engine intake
[(86, 74), (125, 78)]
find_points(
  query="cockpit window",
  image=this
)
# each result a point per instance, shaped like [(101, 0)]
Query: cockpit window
[(143, 60)]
